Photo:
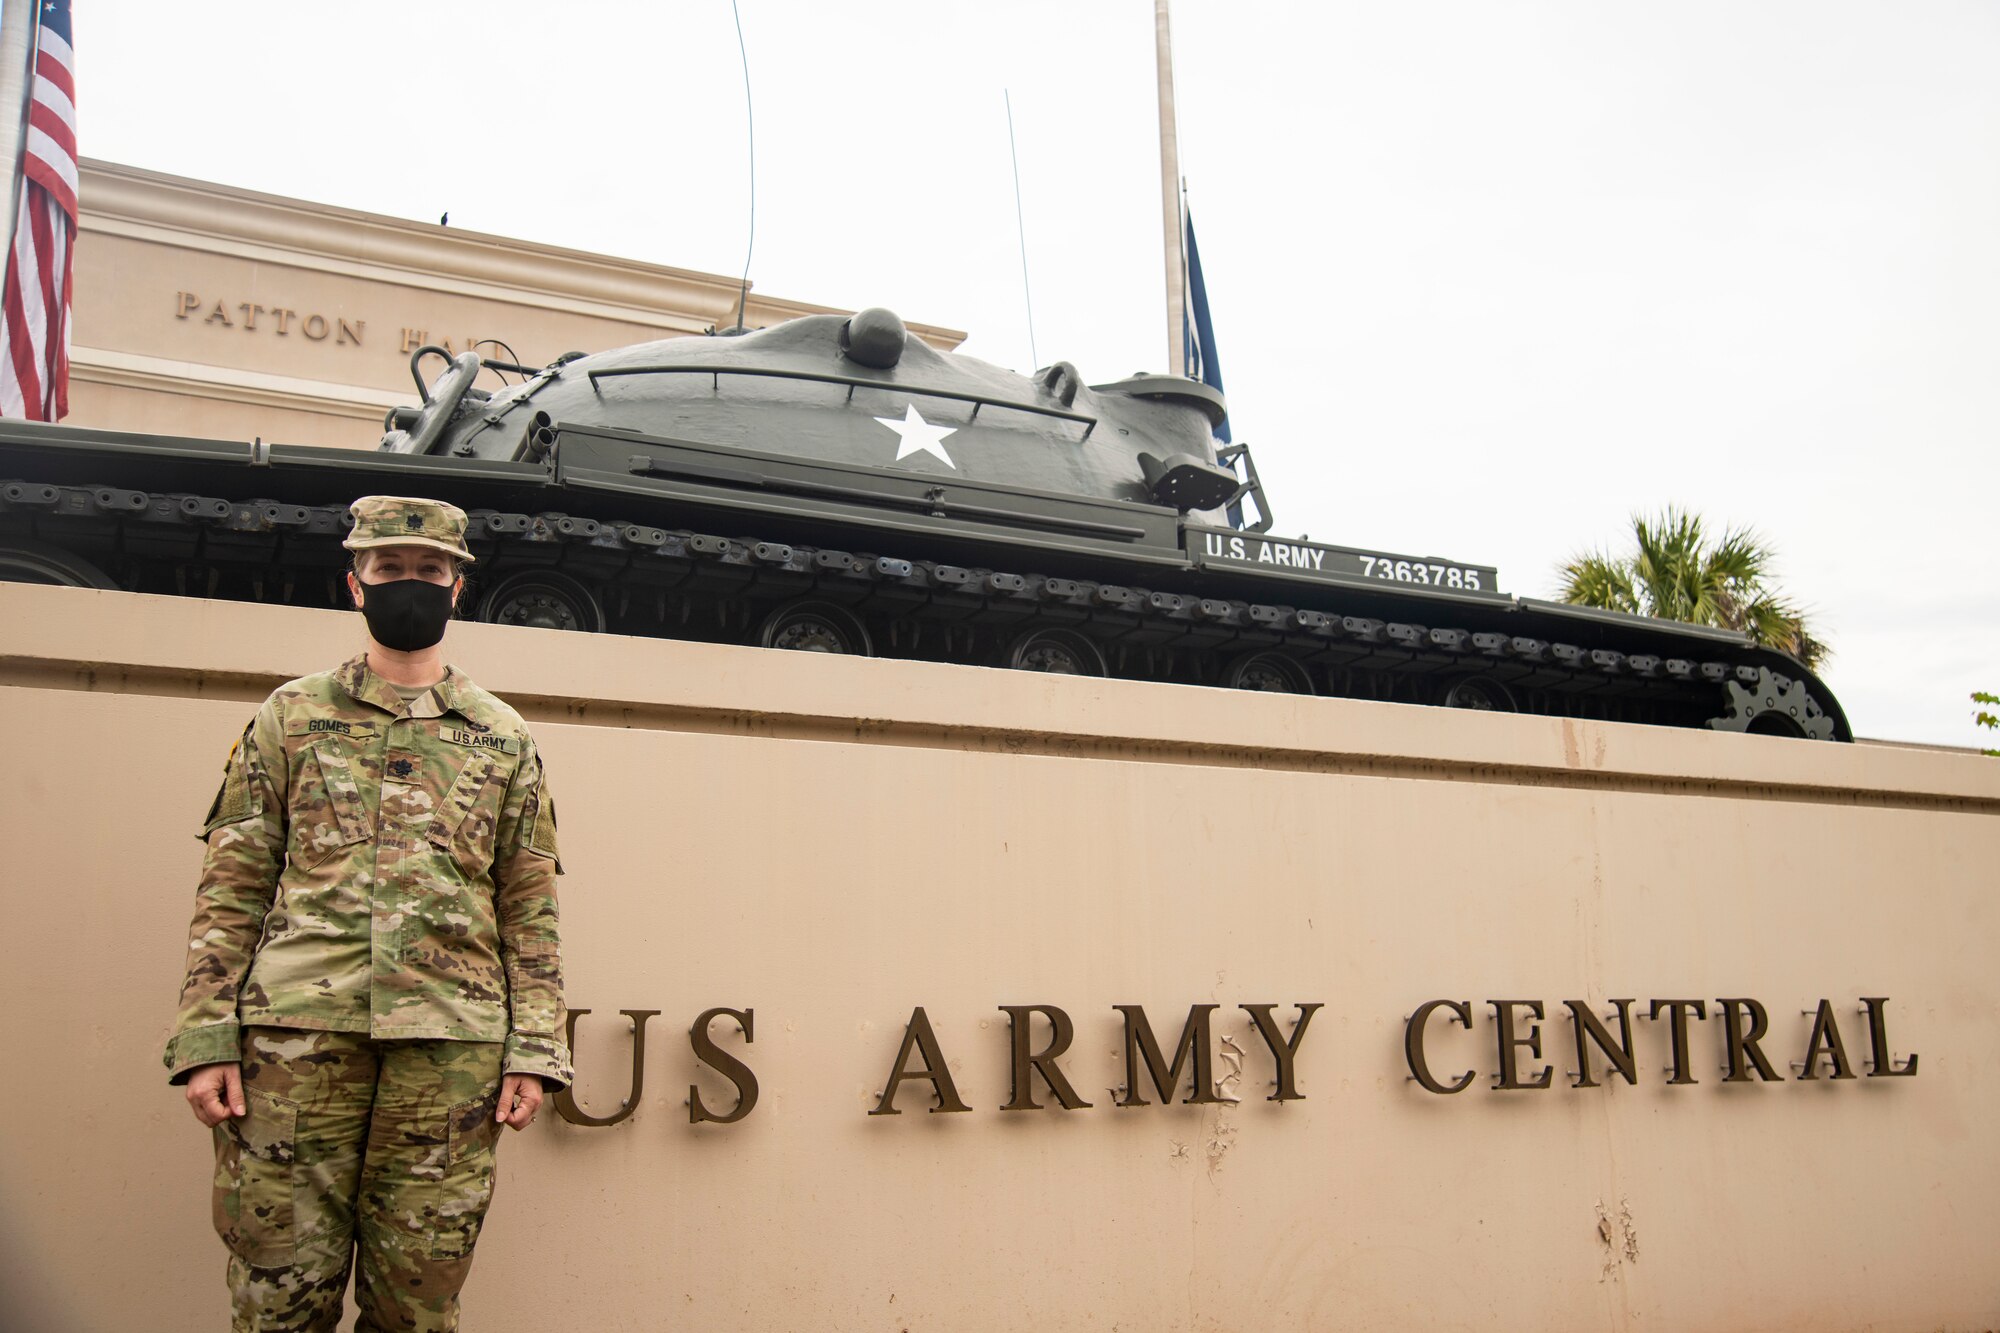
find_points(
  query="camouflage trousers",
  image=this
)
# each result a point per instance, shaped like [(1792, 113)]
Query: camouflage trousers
[(351, 1145)]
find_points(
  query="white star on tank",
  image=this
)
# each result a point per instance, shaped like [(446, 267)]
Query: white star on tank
[(919, 436)]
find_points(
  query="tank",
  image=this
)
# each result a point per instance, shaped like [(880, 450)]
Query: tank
[(833, 484)]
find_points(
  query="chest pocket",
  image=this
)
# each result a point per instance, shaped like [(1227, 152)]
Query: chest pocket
[(467, 817), (327, 811)]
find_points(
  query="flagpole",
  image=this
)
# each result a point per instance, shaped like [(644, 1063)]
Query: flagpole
[(17, 54), (1170, 198)]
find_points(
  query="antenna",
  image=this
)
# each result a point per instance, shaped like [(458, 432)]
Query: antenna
[(1021, 229), (1170, 204), (750, 133)]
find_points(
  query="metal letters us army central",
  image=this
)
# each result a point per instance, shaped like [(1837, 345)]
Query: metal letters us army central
[(1743, 1025)]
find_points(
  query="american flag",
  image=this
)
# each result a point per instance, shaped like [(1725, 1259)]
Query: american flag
[(34, 314)]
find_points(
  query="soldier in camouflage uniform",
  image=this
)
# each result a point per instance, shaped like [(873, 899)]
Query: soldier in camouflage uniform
[(374, 982)]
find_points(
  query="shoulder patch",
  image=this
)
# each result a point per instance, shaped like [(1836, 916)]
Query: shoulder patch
[(543, 838), (232, 798)]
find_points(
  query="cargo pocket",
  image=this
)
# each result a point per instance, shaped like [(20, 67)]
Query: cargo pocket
[(327, 811), (464, 822), (467, 1187), (253, 1180)]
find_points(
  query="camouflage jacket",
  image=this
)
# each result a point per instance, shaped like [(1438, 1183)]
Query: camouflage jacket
[(382, 867)]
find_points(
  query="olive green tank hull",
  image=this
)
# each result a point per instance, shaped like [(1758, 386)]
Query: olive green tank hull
[(832, 485)]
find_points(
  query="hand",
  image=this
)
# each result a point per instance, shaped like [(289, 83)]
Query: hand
[(520, 1098), (216, 1093)]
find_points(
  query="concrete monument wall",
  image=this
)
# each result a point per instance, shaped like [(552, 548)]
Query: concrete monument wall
[(827, 844)]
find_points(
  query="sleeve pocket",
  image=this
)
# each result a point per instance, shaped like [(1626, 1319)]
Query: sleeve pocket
[(542, 836), (236, 799)]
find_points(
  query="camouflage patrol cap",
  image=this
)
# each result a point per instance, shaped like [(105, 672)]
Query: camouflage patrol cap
[(402, 520)]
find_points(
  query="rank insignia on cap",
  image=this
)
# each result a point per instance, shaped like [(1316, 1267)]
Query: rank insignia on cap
[(401, 520)]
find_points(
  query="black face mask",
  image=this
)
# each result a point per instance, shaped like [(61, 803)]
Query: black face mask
[(408, 615)]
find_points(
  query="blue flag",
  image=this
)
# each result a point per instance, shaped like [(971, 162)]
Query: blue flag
[(1198, 330), (1198, 335)]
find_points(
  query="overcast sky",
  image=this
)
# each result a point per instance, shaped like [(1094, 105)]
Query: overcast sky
[(1486, 278)]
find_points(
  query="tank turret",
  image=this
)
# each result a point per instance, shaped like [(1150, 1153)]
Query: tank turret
[(856, 392)]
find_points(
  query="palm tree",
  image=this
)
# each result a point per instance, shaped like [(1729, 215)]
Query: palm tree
[(1678, 574)]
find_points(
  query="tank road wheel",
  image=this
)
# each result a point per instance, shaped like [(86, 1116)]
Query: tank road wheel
[(1061, 651), (32, 562), (1477, 692), (1271, 672), (816, 627), (1774, 706), (542, 599)]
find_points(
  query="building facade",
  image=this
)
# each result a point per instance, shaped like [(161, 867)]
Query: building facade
[(206, 310)]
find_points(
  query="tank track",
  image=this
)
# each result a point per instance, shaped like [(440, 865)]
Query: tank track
[(565, 571)]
